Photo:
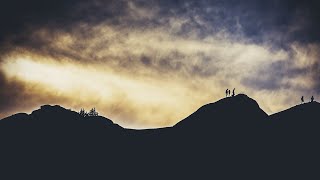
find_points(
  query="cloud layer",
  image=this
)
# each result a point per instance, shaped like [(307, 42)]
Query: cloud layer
[(149, 64)]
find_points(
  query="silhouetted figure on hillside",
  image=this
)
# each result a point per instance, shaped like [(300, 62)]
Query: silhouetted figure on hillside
[(233, 92), (93, 112), (302, 100), (227, 91), (312, 99), (82, 113)]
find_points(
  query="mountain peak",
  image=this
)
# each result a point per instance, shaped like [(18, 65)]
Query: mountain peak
[(230, 110), (240, 98), (240, 102), (55, 115), (47, 106)]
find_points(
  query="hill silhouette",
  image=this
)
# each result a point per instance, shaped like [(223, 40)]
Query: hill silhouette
[(303, 113), (231, 111), (297, 128), (231, 138)]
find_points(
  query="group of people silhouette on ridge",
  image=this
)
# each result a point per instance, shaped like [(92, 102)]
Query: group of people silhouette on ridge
[(302, 99), (228, 92)]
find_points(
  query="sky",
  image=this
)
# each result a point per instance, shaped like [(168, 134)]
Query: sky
[(149, 63)]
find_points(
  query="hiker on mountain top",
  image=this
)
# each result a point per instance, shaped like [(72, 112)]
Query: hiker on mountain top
[(312, 99), (302, 100), (233, 92), (227, 91)]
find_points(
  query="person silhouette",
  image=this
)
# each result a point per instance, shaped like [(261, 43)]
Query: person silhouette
[(302, 100), (312, 98), (233, 92), (227, 92)]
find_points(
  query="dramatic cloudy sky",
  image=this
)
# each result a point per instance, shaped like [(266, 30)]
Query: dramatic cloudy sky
[(149, 63)]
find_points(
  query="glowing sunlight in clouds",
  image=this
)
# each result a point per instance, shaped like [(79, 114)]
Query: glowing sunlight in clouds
[(153, 78), (95, 84)]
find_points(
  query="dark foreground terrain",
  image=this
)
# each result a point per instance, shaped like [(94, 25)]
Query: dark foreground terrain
[(229, 139)]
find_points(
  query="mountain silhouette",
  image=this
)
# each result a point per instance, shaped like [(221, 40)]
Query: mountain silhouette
[(297, 127), (303, 114), (51, 119), (231, 138), (231, 111)]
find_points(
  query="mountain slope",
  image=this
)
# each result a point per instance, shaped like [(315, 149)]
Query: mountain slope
[(51, 117), (302, 113), (299, 122), (56, 126), (234, 112)]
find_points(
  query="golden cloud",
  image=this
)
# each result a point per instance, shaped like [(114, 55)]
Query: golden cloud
[(146, 78)]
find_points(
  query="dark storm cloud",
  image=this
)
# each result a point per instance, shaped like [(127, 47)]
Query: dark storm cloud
[(20, 18), (294, 73), (255, 17), (263, 79), (275, 22), (16, 15), (316, 75)]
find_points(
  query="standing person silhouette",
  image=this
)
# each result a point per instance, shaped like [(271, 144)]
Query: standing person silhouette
[(233, 92), (302, 100), (312, 99), (227, 91)]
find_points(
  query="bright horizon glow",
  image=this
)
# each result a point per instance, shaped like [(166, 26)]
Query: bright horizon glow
[(93, 85)]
